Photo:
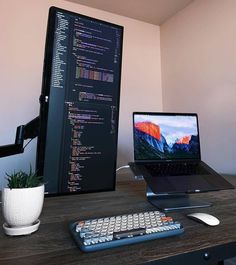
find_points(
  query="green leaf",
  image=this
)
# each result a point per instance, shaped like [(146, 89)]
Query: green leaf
[(21, 179)]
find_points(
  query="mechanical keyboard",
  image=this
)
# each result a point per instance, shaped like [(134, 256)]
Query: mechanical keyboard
[(114, 231)]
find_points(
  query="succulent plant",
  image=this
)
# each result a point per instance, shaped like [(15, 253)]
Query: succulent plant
[(21, 179)]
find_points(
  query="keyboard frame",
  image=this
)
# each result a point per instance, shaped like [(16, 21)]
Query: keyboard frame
[(123, 241)]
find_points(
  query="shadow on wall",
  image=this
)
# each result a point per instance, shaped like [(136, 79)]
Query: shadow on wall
[(124, 156)]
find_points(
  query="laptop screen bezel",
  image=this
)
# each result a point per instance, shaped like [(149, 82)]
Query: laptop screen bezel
[(166, 114)]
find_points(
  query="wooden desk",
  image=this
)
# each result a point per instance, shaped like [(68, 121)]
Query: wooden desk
[(52, 243)]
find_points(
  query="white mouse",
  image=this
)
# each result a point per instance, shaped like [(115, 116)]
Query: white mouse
[(205, 218)]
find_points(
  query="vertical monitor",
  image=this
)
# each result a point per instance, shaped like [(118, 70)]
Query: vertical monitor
[(77, 143)]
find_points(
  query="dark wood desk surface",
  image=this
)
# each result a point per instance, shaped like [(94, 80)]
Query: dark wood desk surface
[(52, 243)]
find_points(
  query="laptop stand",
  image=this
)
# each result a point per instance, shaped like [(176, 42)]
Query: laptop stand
[(169, 202)]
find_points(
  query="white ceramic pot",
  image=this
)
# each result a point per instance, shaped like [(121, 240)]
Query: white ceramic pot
[(22, 207)]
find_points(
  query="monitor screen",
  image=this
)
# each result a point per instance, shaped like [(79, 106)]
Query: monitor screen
[(168, 136), (77, 143)]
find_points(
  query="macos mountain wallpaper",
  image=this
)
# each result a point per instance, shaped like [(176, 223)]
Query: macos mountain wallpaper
[(165, 137)]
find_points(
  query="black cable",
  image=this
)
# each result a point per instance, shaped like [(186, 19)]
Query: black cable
[(27, 143)]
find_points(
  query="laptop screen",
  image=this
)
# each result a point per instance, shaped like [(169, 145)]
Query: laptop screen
[(165, 136)]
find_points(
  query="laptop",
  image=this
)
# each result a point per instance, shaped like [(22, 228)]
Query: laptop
[(167, 154)]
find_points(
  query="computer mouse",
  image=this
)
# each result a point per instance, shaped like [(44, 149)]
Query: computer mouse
[(204, 218)]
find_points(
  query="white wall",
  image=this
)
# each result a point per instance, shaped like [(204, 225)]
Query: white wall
[(198, 58), (23, 27)]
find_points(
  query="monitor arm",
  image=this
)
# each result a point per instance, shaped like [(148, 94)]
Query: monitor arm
[(23, 132)]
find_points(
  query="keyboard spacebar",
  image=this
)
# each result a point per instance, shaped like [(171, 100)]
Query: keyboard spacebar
[(129, 233)]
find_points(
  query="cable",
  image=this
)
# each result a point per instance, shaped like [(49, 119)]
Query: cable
[(122, 167), (27, 143)]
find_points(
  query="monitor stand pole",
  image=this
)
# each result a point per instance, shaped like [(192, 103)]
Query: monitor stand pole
[(167, 202)]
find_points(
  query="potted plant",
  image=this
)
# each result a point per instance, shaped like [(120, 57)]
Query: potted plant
[(22, 203)]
